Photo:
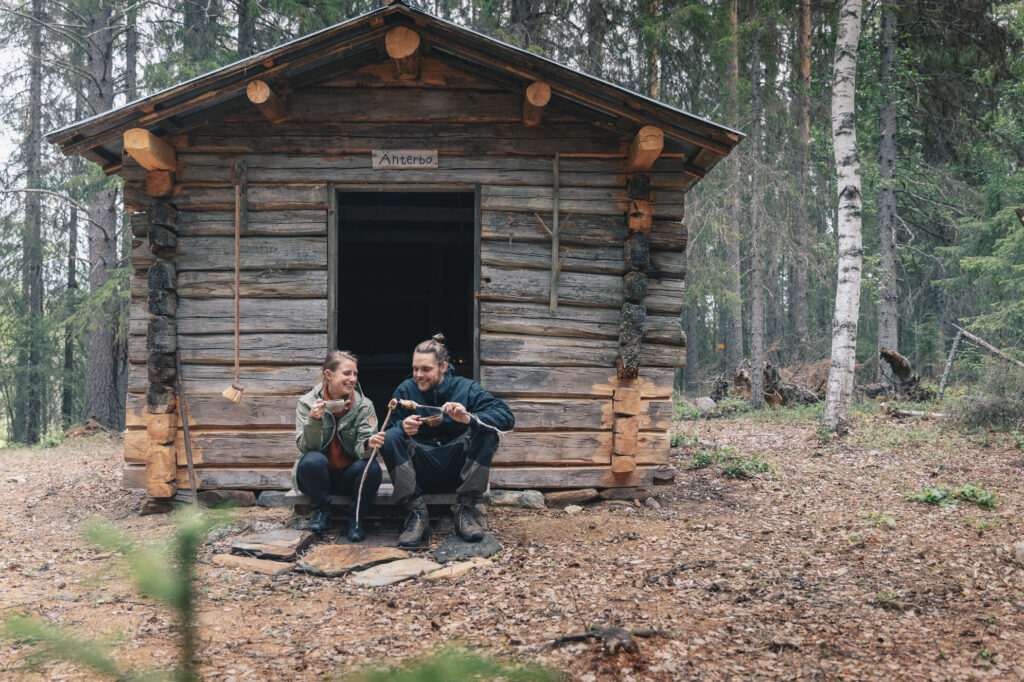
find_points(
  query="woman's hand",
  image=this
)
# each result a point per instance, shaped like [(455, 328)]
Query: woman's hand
[(317, 411), (411, 424), (375, 441), (456, 411)]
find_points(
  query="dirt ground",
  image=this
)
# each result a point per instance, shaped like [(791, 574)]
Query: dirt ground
[(819, 570)]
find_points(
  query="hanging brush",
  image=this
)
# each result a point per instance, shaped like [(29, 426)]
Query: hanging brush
[(238, 178)]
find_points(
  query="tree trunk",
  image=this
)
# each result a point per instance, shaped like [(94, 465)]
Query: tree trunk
[(692, 350), (131, 53), (101, 369), (33, 240), (597, 29), (888, 336), (803, 228), (67, 402), (848, 185), (246, 29), (756, 240), (733, 307), (653, 81)]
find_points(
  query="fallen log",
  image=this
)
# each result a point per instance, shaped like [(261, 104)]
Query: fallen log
[(899, 412), (910, 385), (614, 639)]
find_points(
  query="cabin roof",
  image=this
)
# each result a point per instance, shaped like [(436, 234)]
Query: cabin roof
[(312, 58)]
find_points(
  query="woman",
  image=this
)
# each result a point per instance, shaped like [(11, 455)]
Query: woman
[(336, 443)]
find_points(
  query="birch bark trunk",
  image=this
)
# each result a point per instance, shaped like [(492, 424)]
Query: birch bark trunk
[(844, 140)]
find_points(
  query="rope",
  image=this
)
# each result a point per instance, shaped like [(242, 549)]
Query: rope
[(412, 405)]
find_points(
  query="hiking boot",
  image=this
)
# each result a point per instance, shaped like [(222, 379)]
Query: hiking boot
[(417, 528), (466, 524), (355, 528), (321, 519)]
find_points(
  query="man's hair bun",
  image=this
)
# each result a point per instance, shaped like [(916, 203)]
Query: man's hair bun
[(439, 337), (435, 346)]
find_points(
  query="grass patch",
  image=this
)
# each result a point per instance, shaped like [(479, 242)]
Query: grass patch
[(745, 468), (702, 459), (877, 519), (683, 439)]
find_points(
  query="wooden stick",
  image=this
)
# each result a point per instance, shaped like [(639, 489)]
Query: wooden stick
[(949, 363), (555, 231), (183, 408), (373, 456), (989, 347), (238, 175)]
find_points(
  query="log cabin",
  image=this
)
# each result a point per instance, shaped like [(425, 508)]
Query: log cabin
[(380, 180)]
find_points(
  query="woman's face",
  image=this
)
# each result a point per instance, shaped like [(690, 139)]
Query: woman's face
[(342, 379)]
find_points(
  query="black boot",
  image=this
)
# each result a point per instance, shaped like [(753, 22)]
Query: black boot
[(321, 519), (417, 527), (466, 524), (355, 527)]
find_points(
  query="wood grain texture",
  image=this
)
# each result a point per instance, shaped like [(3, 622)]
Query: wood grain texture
[(609, 230), (539, 414), (213, 411), (583, 200), (572, 382), (596, 259), (518, 349), (216, 316), (290, 284), (210, 380), (276, 197), (573, 321), (257, 224), (256, 253), (260, 348)]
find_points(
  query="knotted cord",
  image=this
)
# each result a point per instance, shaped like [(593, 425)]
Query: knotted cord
[(412, 405)]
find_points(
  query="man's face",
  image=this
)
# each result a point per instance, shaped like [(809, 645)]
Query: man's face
[(426, 372)]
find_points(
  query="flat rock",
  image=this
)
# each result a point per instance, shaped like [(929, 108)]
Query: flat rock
[(527, 499), (282, 544), (565, 497), (457, 549), (394, 572), (235, 498), (155, 505), (256, 565), (16, 479), (573, 509), (705, 404), (272, 498), (335, 560), (1018, 552), (460, 569), (625, 494)]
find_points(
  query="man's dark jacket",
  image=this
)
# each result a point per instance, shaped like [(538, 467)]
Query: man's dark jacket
[(453, 389)]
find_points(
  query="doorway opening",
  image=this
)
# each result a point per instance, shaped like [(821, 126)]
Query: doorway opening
[(406, 271)]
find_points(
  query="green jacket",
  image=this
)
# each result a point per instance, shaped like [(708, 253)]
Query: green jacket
[(353, 429)]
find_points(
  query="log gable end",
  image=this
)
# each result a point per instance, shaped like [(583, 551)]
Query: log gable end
[(590, 385)]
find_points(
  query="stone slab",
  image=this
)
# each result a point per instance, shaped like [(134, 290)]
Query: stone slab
[(527, 499), (565, 497), (272, 498), (256, 565), (236, 498), (460, 569), (335, 560), (394, 572), (276, 544), (457, 549), (625, 494), (154, 505)]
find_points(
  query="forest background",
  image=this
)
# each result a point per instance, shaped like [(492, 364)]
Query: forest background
[(940, 108)]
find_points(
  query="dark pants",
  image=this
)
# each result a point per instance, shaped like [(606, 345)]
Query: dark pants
[(462, 466), (319, 482)]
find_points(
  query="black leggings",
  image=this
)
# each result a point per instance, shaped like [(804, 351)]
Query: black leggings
[(319, 482)]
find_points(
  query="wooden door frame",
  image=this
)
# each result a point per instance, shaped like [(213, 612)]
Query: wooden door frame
[(334, 228)]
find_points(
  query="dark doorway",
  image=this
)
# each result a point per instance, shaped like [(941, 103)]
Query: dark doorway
[(406, 271)]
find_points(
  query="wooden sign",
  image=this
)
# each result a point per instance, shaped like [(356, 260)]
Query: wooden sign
[(387, 159)]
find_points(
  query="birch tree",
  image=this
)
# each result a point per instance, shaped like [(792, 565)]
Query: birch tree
[(848, 185)]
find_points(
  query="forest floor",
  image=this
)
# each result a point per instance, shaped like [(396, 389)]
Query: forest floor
[(820, 568)]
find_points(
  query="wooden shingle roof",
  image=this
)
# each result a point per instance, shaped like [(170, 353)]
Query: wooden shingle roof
[(317, 56)]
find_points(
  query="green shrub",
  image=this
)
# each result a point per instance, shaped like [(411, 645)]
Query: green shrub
[(729, 407), (702, 459), (456, 663), (986, 499), (51, 438), (682, 410), (932, 495), (996, 402)]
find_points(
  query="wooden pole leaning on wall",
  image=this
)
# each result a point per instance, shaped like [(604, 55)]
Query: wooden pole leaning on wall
[(403, 47), (534, 101), (260, 94), (645, 148)]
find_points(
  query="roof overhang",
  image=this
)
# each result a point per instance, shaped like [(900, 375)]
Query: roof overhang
[(349, 44)]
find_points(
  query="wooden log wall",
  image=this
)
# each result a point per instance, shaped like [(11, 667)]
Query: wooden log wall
[(574, 410)]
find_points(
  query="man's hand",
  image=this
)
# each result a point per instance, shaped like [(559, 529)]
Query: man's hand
[(411, 424), (375, 441), (317, 411), (456, 411)]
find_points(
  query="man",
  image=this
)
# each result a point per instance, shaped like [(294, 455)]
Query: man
[(427, 451)]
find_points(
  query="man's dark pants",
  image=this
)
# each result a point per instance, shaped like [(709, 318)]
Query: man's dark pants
[(317, 481), (462, 466)]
